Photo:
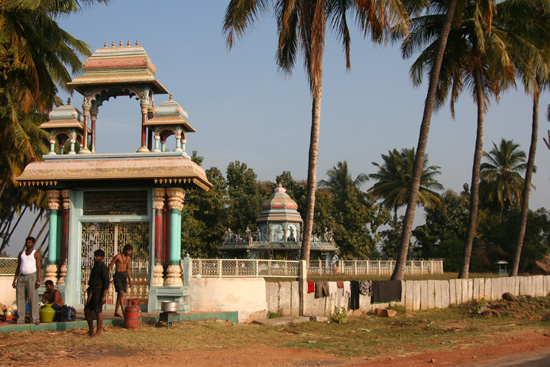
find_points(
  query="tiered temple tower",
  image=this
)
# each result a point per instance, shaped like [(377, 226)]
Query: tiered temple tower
[(94, 197)]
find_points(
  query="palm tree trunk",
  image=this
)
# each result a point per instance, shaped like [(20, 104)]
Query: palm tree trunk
[(7, 222), (4, 185), (7, 236), (399, 270), (35, 221), (4, 231), (42, 245), (527, 184), (41, 230), (474, 192), (312, 167)]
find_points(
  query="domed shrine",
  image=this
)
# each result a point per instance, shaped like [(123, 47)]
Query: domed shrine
[(108, 200), (278, 235)]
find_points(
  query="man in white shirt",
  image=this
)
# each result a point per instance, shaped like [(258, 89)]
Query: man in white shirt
[(26, 281)]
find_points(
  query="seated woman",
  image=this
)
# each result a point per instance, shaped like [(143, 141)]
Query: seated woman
[(53, 296)]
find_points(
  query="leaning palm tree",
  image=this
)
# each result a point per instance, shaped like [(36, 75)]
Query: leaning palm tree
[(529, 22), (451, 16), (301, 29), (394, 181), (501, 174), (475, 58)]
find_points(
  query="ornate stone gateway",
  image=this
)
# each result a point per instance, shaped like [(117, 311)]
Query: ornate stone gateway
[(106, 201), (112, 237)]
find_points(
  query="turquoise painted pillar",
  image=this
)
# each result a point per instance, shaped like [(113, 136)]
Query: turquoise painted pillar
[(53, 243), (175, 236), (175, 204)]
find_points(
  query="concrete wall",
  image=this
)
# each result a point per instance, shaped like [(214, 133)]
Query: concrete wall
[(252, 298), (415, 295), (7, 292), (245, 295), (283, 298), (278, 301)]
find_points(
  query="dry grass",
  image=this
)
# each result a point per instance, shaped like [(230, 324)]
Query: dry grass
[(364, 335)]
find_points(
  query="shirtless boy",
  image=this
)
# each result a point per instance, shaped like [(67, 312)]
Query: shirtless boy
[(122, 273)]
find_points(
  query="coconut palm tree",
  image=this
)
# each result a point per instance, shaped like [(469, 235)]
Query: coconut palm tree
[(339, 178), (475, 58), (529, 22), (501, 174), (37, 50), (34, 55), (301, 30), (452, 16), (394, 181)]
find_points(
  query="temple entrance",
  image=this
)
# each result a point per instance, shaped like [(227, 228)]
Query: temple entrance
[(111, 238)]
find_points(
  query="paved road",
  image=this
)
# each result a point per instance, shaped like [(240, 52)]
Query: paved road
[(519, 360)]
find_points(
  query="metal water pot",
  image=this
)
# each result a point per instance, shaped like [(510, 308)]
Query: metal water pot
[(169, 306)]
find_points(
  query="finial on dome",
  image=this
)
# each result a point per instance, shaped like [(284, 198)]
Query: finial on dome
[(120, 44), (129, 43), (280, 189), (105, 44), (68, 101), (171, 96), (113, 44), (137, 42)]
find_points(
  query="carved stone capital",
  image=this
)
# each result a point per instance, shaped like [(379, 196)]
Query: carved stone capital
[(144, 106), (175, 197), (66, 199), (160, 194), (53, 199), (86, 106), (93, 115)]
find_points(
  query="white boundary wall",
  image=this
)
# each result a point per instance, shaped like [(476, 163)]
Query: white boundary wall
[(7, 292), (415, 295), (252, 298), (245, 295)]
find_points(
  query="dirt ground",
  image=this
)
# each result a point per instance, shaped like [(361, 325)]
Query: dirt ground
[(521, 346)]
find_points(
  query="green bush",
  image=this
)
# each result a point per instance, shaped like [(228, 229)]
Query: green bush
[(339, 315)]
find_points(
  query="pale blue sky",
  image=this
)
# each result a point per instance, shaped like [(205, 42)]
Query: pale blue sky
[(244, 109)]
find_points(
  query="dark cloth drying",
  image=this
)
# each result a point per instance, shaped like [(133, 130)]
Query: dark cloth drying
[(354, 295), (321, 289), (310, 287), (365, 288), (386, 291)]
